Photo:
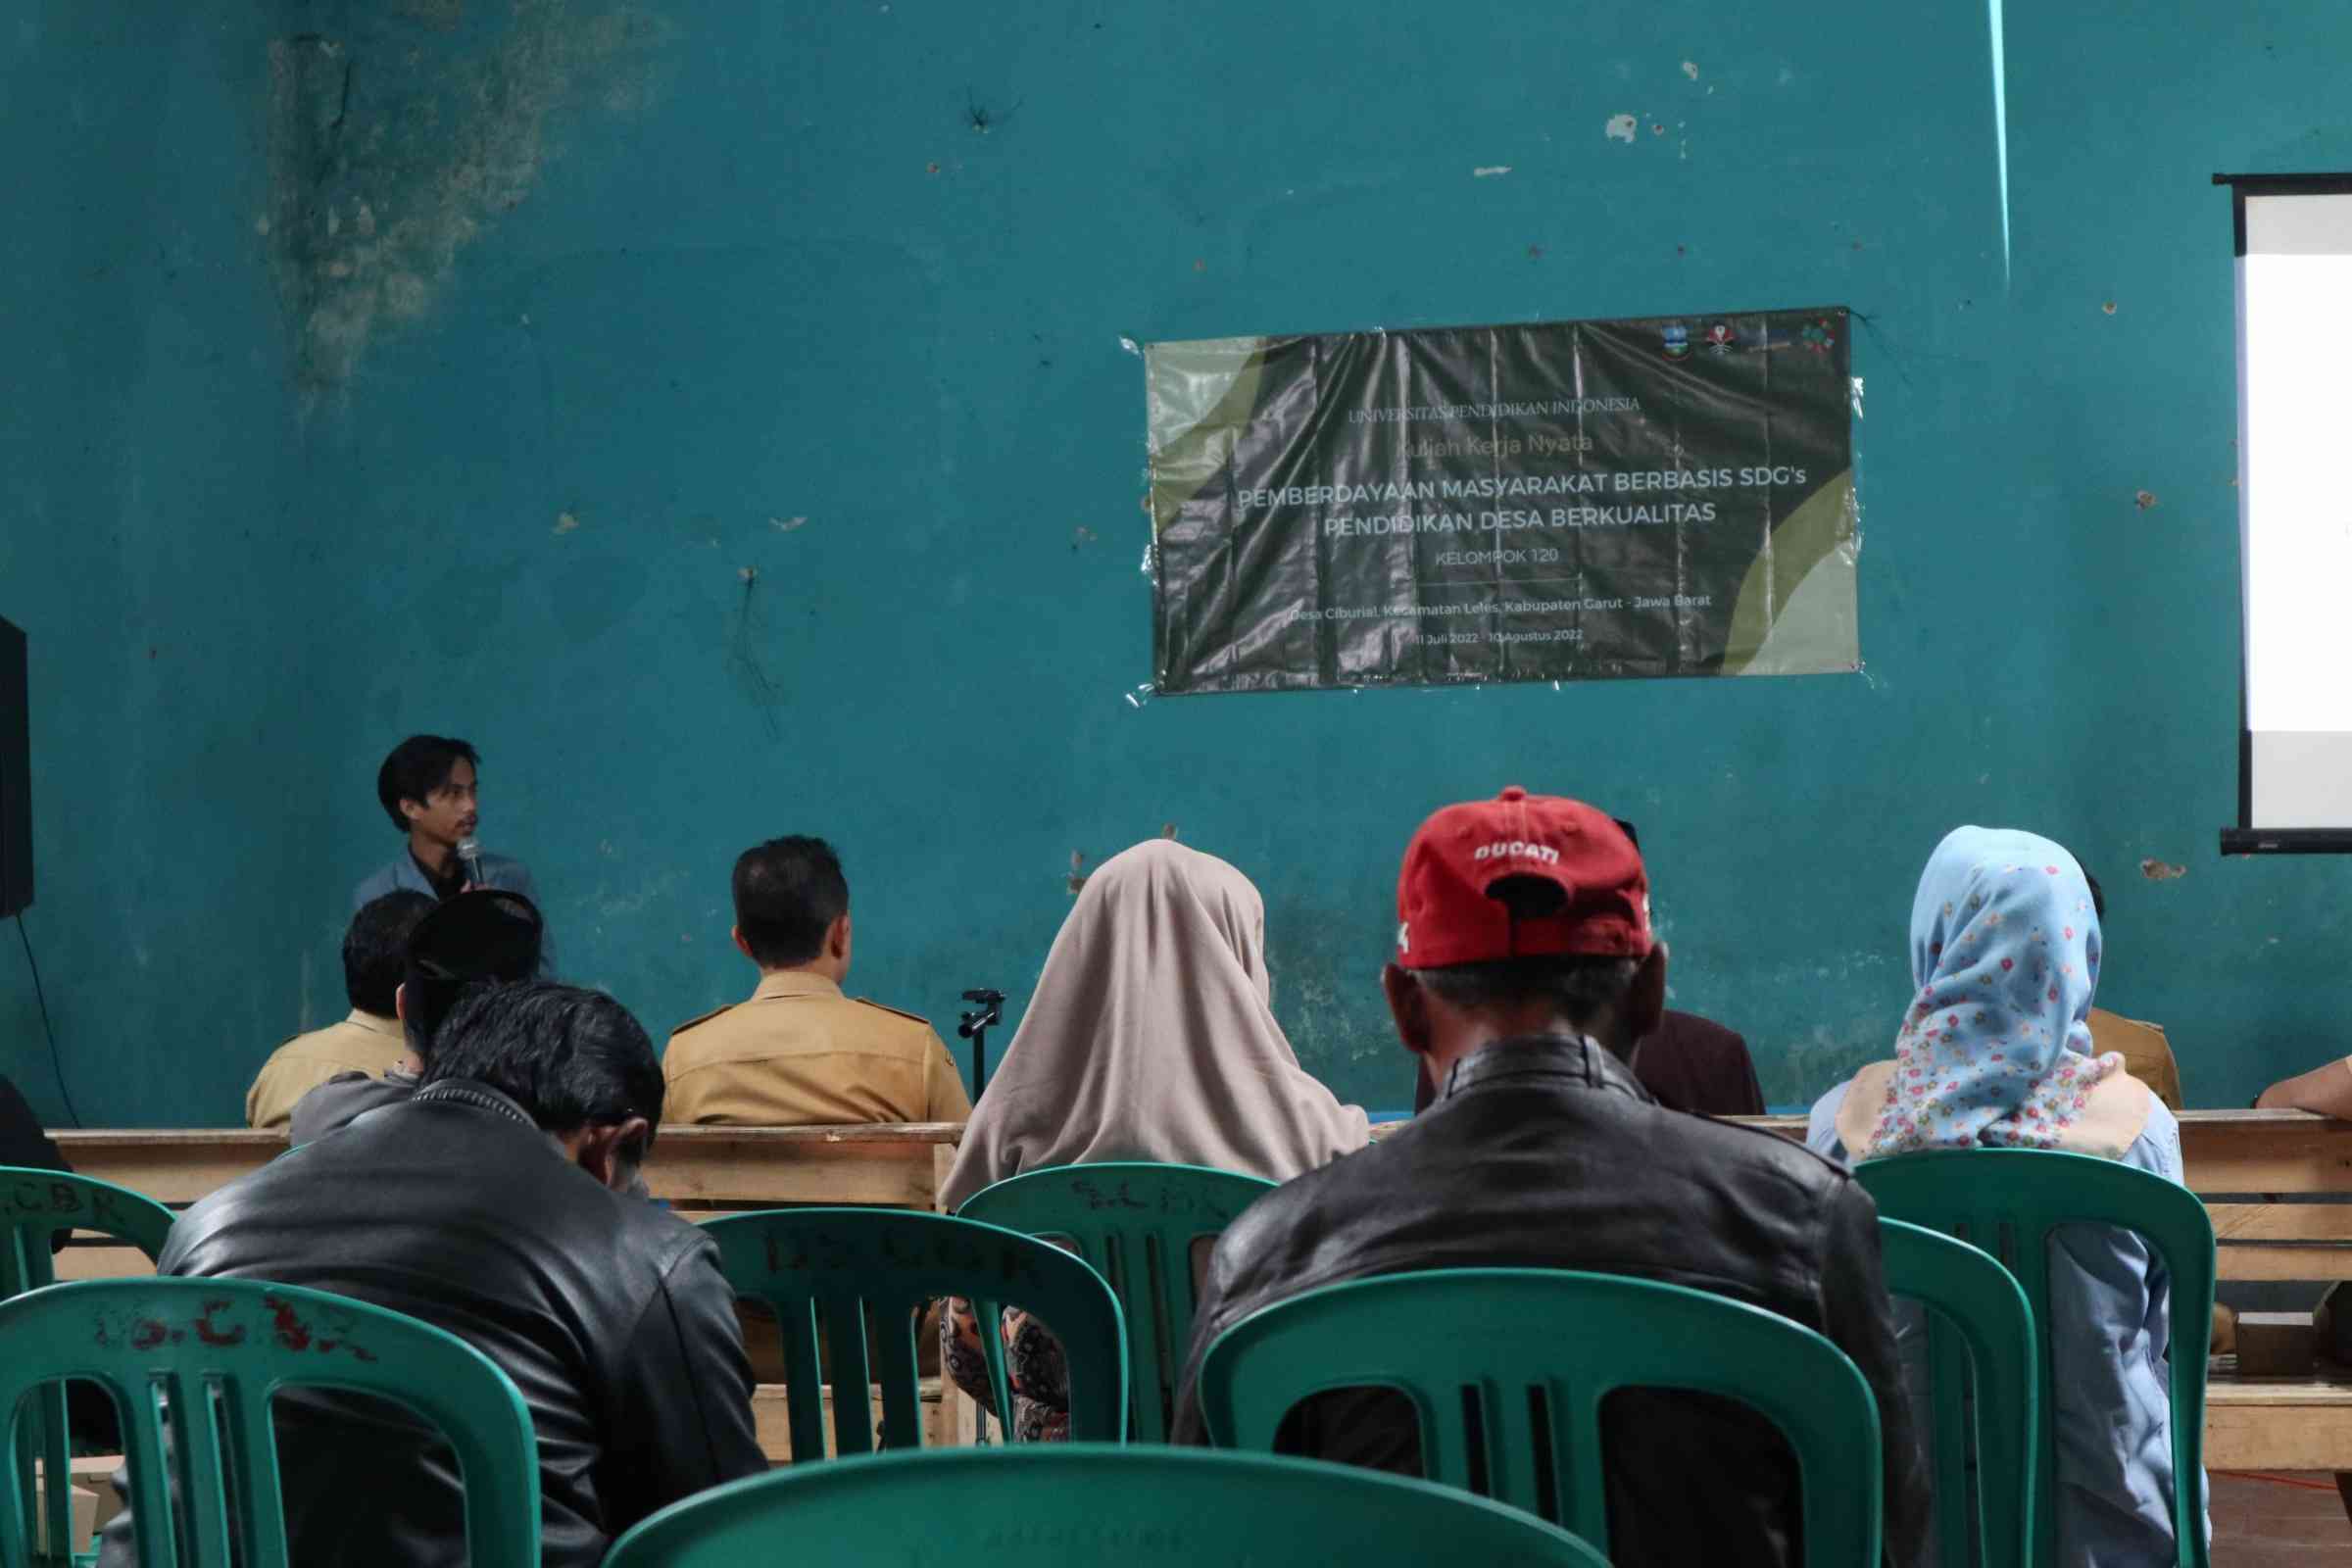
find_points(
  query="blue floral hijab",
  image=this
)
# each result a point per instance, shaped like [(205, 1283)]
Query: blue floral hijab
[(1995, 1047)]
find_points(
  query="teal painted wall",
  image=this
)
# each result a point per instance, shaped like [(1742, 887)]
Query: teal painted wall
[(649, 297), (152, 548)]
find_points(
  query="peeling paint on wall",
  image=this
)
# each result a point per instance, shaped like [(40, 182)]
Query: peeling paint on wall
[(382, 172), (1620, 127)]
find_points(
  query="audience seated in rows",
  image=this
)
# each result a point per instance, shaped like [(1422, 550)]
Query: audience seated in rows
[(1150, 1036), (492, 1202), (1997, 1052), (799, 1051), (471, 938), (368, 1041), (1525, 970), (477, 1184)]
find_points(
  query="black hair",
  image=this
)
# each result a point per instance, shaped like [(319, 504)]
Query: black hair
[(788, 893), (2098, 900), (1578, 984), (375, 949), (486, 936), (418, 766), (569, 1057)]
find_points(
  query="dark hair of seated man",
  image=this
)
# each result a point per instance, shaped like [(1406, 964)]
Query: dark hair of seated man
[(486, 937), (788, 893), (489, 935), (575, 1060), (376, 950)]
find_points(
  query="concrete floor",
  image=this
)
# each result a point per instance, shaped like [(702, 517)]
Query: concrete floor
[(2263, 1523)]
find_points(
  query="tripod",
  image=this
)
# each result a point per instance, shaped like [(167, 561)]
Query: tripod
[(977, 1021)]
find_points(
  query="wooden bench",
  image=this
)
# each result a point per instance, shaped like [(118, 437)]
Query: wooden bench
[(2241, 1162)]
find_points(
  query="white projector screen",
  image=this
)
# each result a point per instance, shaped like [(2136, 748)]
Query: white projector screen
[(2294, 498)]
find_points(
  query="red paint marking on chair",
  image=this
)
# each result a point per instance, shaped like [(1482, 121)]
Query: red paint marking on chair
[(212, 1334), (292, 1332)]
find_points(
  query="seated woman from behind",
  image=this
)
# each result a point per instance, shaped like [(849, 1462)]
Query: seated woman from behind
[(1995, 1054), (1150, 1036)]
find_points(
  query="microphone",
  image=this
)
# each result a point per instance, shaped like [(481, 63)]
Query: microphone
[(469, 850)]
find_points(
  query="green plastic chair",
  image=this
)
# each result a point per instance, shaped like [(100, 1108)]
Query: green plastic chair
[(1137, 1223), (1081, 1505), (1979, 1336), (1523, 1340), (216, 1351), (828, 1271), (2008, 1202), (35, 1204)]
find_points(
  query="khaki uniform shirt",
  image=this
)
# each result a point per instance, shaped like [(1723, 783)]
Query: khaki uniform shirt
[(2147, 1055), (361, 1043), (801, 1053)]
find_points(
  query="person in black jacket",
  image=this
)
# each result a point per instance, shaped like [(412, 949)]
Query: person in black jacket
[(1524, 972), (23, 1143), (492, 1204)]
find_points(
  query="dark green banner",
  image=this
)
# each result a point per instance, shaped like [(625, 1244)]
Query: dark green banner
[(1569, 501)]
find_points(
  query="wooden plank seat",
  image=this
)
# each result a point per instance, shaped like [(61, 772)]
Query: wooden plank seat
[(897, 1165)]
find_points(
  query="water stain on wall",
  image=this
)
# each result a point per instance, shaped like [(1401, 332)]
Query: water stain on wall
[(387, 160), (441, 14)]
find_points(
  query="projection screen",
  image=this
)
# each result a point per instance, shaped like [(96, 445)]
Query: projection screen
[(2294, 498)]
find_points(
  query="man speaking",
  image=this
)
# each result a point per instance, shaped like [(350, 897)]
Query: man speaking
[(429, 789)]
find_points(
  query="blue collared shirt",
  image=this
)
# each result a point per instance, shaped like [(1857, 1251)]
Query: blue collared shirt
[(402, 874), (2111, 1330)]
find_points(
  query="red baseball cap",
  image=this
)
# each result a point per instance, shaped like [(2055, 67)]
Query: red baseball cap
[(1445, 910)]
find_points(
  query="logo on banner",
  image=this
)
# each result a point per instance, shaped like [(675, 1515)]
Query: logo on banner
[(1675, 340), (1720, 338), (1816, 337)]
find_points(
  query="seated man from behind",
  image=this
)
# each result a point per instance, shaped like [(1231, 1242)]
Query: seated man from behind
[(1525, 972), (797, 1051), (370, 1042), (1687, 1062), (474, 937), (490, 1203)]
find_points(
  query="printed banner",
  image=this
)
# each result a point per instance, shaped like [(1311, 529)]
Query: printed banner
[(1568, 501)]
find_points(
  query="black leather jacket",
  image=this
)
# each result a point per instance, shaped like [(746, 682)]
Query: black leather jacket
[(610, 1314), (23, 1143), (1547, 1153)]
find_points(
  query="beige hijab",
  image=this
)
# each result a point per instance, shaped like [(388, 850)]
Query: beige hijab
[(1150, 1037)]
